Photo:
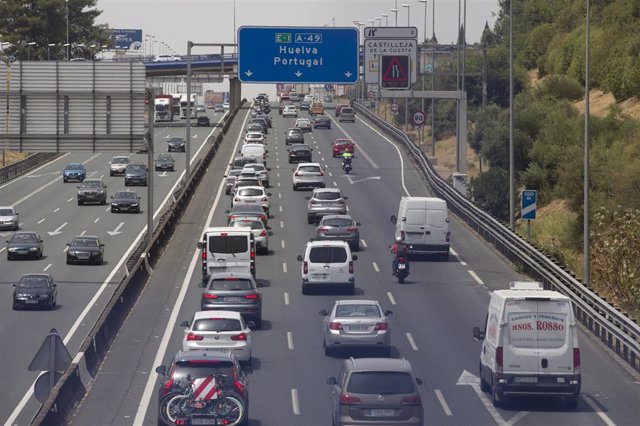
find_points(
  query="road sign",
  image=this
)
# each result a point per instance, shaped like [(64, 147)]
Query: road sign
[(394, 71), (52, 355), (374, 48), (126, 39), (371, 94), (528, 204), (395, 107), (390, 32), (298, 55), (418, 118), (44, 384)]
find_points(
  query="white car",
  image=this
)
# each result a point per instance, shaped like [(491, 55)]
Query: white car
[(9, 218), (327, 264), (166, 58), (308, 175), (252, 195), (259, 230), (254, 137), (290, 111), (308, 98), (218, 330), (118, 164)]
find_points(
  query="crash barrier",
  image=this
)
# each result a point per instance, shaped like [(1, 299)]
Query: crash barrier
[(612, 326), (23, 166), (77, 379)]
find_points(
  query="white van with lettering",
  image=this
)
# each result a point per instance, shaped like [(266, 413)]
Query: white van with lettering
[(529, 345), (227, 249)]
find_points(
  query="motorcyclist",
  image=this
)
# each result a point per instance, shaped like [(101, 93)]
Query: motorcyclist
[(346, 158), (399, 249)]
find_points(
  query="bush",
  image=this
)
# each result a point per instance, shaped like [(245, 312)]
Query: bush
[(490, 192), (561, 87)]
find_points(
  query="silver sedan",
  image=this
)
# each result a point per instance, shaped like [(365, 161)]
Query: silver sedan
[(339, 227), (355, 324)]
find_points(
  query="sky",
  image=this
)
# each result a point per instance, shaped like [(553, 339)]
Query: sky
[(174, 22)]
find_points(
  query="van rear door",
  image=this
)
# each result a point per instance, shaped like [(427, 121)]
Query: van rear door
[(555, 340), (414, 226), (229, 252), (340, 265), (436, 226), (520, 342)]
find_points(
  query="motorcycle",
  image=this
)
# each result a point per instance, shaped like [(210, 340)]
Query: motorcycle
[(402, 269), (346, 166)]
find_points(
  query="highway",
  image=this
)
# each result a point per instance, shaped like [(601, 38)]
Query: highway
[(434, 311), (48, 206)]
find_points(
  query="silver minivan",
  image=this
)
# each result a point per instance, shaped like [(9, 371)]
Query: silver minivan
[(347, 114)]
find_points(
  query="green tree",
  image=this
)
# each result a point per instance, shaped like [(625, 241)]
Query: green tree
[(490, 192)]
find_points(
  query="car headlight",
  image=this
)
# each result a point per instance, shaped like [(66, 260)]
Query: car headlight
[(21, 296), (134, 205), (33, 249), (72, 253)]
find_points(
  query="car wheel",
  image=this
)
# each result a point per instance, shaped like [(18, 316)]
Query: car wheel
[(484, 386), (496, 397), (64, 180), (572, 401), (309, 219), (258, 323), (9, 257), (295, 187), (68, 261), (305, 289), (126, 183), (138, 210), (79, 202), (15, 307)]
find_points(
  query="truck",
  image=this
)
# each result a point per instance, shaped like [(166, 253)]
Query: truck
[(184, 104), (162, 108), (175, 104)]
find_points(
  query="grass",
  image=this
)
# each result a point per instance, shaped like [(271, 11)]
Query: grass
[(11, 157)]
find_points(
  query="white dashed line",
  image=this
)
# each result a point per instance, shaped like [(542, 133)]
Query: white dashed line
[(65, 249), (475, 277), (41, 221), (453, 252), (281, 224), (286, 298), (282, 243), (363, 242), (294, 402), (391, 298), (412, 342), (322, 158), (47, 267), (69, 200), (56, 210), (96, 221), (375, 266), (83, 232), (278, 174), (347, 208), (329, 173), (278, 184), (290, 340), (280, 209), (284, 267), (279, 195), (107, 209), (443, 402), (463, 263), (598, 410), (334, 183)]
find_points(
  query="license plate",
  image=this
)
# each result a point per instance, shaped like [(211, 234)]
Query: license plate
[(124, 207), (232, 299), (32, 301), (402, 266), (218, 269), (382, 412), (319, 276), (206, 421), (358, 328), (525, 379), (83, 256)]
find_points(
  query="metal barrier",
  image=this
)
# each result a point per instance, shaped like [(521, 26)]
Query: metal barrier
[(614, 328), (75, 382), (23, 166)]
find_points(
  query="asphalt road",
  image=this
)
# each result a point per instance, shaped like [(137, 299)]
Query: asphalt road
[(433, 313), (48, 206)]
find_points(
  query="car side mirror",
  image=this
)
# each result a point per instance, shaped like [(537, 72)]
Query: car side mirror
[(54, 285), (419, 381), (199, 245), (299, 258), (388, 313), (224, 176), (354, 257), (447, 220), (345, 198), (287, 150), (251, 324), (478, 334), (332, 381), (358, 224), (393, 219), (111, 197), (269, 168), (184, 324), (15, 285), (259, 284), (162, 370), (323, 312)]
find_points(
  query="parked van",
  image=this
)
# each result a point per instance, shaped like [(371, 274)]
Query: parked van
[(227, 249), (529, 344), (423, 224), (255, 150), (327, 264)]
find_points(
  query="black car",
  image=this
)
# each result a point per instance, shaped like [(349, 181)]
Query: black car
[(85, 248), (322, 121), (135, 174), (92, 191), (35, 291), (198, 364), (24, 244), (203, 120), (125, 201), (300, 153), (294, 135), (165, 162), (263, 123), (253, 127), (176, 143), (267, 118)]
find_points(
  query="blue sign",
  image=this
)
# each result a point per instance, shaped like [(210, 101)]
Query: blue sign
[(126, 39), (298, 55), (528, 205)]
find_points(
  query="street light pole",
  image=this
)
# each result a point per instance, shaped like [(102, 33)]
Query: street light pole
[(386, 19), (512, 196), (425, 19), (66, 49), (586, 279), (408, 13), (49, 46), (395, 12), (31, 43), (433, 76)]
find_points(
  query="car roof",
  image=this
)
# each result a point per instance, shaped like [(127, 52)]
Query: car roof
[(254, 187), (308, 164), (327, 243), (356, 302), (25, 232), (7, 207), (216, 314), (336, 216), (378, 364), (75, 164), (36, 274)]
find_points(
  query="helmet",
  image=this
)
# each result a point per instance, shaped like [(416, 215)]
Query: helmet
[(398, 239)]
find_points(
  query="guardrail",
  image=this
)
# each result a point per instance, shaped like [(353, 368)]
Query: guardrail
[(77, 379), (23, 166), (614, 328)]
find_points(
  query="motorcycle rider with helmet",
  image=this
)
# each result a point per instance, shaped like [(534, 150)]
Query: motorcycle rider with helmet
[(399, 249)]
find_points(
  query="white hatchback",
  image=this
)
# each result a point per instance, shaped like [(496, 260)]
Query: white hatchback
[(252, 195), (308, 175), (254, 137), (290, 111), (224, 330)]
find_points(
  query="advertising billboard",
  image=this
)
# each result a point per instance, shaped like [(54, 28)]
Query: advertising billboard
[(126, 39)]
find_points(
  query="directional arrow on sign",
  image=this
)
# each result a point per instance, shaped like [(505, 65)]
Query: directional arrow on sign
[(298, 74), (248, 73), (117, 230), (58, 231), (348, 74)]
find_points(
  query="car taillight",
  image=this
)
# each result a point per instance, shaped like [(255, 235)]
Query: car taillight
[(194, 337), (210, 296), (305, 268), (167, 387), (347, 399), (253, 296), (499, 359), (448, 236), (296, 174), (382, 326), (335, 326), (352, 228), (263, 217), (263, 233), (264, 199), (181, 422), (253, 254), (321, 173), (351, 267), (241, 336), (411, 400), (323, 229), (576, 360)]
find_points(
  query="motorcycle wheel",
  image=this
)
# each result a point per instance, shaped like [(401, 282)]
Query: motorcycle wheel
[(401, 279)]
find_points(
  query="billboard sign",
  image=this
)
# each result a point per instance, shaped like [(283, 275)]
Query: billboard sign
[(126, 39)]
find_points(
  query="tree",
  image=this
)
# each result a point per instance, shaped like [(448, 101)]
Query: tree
[(45, 22)]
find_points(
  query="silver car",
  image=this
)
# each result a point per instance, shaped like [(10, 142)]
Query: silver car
[(308, 175), (118, 164), (325, 201), (9, 218), (356, 323), (261, 171), (339, 227), (260, 231)]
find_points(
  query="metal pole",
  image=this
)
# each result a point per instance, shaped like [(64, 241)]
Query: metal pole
[(587, 246), (396, 8), (433, 76), (66, 49), (187, 144), (150, 168), (464, 43), (512, 224)]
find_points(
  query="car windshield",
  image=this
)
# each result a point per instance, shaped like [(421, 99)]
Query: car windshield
[(74, 166), (165, 158), (231, 284), (327, 255), (125, 195), (33, 282), (300, 148), (250, 192), (84, 242), (120, 160), (380, 383), (216, 324), (91, 184), (136, 167), (328, 195), (24, 238), (248, 182), (315, 169), (337, 222), (253, 224), (294, 132), (347, 311), (6, 212), (176, 140), (346, 110)]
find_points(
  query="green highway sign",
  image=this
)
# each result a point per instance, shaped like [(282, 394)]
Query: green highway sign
[(283, 37)]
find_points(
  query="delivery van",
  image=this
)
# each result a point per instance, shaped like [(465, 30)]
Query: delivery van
[(254, 150), (227, 249), (423, 225), (529, 345)]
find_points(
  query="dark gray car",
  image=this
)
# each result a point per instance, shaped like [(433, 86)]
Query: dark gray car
[(322, 121), (294, 135), (35, 290), (165, 162), (339, 227), (24, 244), (175, 143), (125, 201), (236, 292), (92, 191), (85, 249), (135, 174)]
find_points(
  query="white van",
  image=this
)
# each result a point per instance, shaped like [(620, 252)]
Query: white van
[(255, 150), (423, 224), (327, 264), (227, 249), (529, 344)]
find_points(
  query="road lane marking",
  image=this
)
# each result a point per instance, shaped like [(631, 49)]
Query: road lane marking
[(70, 200), (96, 221), (375, 266), (330, 174), (286, 298), (443, 402), (606, 419), (322, 158), (65, 249), (56, 210), (412, 342), (290, 340), (83, 232), (41, 220), (347, 208), (2, 249), (281, 224), (475, 277), (391, 298), (282, 243), (279, 195), (284, 267), (294, 402), (107, 209), (515, 419), (455, 253), (334, 183), (278, 184), (47, 267), (363, 242), (280, 209)]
